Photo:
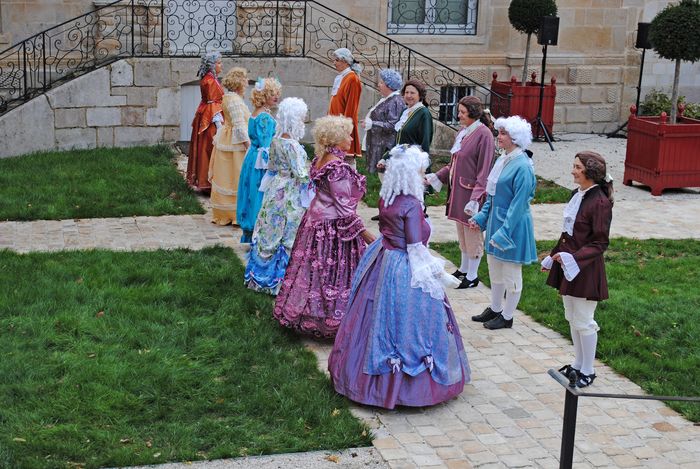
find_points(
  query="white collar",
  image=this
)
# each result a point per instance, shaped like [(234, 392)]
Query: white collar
[(495, 173), (571, 210), (338, 79), (406, 114), (463, 133)]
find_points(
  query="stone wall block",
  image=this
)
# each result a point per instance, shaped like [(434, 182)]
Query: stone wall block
[(136, 96), (604, 113), (131, 136), (122, 74), (27, 129), (167, 111), (104, 117), (105, 136), (479, 75), (567, 94), (613, 94), (152, 72), (70, 117), (133, 116), (76, 139), (559, 114), (607, 75), (580, 75), (90, 90), (171, 134), (578, 114), (578, 128), (593, 94)]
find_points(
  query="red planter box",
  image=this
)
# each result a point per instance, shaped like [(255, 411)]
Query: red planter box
[(523, 101), (661, 155)]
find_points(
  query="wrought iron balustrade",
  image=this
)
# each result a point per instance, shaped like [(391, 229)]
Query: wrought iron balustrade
[(189, 28)]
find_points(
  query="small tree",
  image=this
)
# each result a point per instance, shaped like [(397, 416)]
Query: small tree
[(675, 35), (525, 16)]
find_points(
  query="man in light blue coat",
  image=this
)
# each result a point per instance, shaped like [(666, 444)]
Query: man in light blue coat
[(506, 218)]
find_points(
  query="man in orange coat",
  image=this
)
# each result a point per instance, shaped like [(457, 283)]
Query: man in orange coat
[(345, 96)]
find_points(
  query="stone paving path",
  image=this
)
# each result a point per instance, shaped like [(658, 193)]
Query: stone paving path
[(511, 413)]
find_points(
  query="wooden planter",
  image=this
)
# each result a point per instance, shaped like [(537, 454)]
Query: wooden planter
[(523, 101), (662, 155)]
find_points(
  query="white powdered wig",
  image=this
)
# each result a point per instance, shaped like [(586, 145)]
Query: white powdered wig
[(290, 117), (404, 173), (518, 128)]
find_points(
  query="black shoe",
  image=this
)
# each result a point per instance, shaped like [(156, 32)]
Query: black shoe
[(568, 370), (487, 315), (466, 283), (458, 274), (499, 322), (584, 380), (375, 218)]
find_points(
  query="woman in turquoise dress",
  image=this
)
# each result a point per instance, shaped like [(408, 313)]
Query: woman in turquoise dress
[(261, 129), (287, 194)]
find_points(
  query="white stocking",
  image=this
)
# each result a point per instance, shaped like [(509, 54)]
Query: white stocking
[(512, 299), (578, 353), (497, 292), (464, 266), (472, 267), (588, 345)]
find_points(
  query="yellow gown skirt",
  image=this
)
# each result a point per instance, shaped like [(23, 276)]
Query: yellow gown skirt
[(224, 171)]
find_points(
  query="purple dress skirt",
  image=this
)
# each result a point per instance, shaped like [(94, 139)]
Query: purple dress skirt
[(396, 344), (327, 248)]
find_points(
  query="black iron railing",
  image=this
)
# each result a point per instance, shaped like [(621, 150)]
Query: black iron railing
[(568, 433), (189, 28)]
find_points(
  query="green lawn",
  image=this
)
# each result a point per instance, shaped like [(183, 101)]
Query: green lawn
[(649, 326), (117, 359), (104, 182)]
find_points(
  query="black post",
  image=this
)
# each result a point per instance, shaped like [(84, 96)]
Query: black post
[(133, 46), (568, 433), (303, 39), (43, 57), (639, 84), (24, 69), (162, 27), (277, 25), (539, 122)]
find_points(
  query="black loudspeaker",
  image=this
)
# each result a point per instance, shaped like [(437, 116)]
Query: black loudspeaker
[(643, 36), (549, 31)]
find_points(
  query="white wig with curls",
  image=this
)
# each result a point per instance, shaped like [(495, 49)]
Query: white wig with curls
[(404, 173), (290, 117), (518, 129)]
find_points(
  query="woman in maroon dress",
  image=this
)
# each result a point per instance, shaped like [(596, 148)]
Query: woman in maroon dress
[(576, 265)]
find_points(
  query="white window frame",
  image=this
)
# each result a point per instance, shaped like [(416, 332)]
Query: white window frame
[(430, 27)]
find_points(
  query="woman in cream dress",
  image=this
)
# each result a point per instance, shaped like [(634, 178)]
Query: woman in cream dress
[(230, 145)]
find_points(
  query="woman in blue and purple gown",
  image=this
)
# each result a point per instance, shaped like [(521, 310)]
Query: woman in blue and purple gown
[(398, 342)]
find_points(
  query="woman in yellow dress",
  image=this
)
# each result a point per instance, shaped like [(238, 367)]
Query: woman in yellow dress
[(230, 146)]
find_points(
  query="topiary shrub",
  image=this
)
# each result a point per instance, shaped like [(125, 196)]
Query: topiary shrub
[(675, 35), (525, 16)]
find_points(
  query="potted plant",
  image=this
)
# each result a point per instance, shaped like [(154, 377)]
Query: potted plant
[(662, 152), (523, 96)]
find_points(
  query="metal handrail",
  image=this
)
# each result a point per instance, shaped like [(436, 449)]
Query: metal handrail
[(257, 28), (568, 432)]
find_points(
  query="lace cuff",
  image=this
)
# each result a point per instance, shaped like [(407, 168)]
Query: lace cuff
[(239, 135), (428, 272), (267, 180), (307, 194), (569, 266), (547, 263), (471, 208), (350, 227), (434, 181), (261, 160)]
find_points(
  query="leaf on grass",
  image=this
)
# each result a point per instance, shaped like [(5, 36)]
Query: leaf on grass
[(333, 458), (149, 443), (657, 355), (19, 440), (335, 413), (364, 432), (79, 280), (156, 455), (125, 440), (100, 314), (91, 355)]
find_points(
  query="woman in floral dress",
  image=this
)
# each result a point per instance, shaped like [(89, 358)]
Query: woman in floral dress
[(286, 196)]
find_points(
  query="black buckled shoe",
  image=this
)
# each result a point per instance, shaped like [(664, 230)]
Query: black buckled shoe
[(466, 283), (487, 315), (499, 322), (584, 380), (567, 371), (458, 274)]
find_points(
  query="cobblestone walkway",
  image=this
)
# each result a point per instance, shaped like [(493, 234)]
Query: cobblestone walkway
[(511, 413)]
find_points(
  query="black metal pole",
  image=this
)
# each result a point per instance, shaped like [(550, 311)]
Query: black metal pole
[(639, 84), (539, 121), (566, 456)]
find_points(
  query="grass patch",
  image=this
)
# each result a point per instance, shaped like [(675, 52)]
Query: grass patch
[(649, 326), (119, 359), (104, 182)]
